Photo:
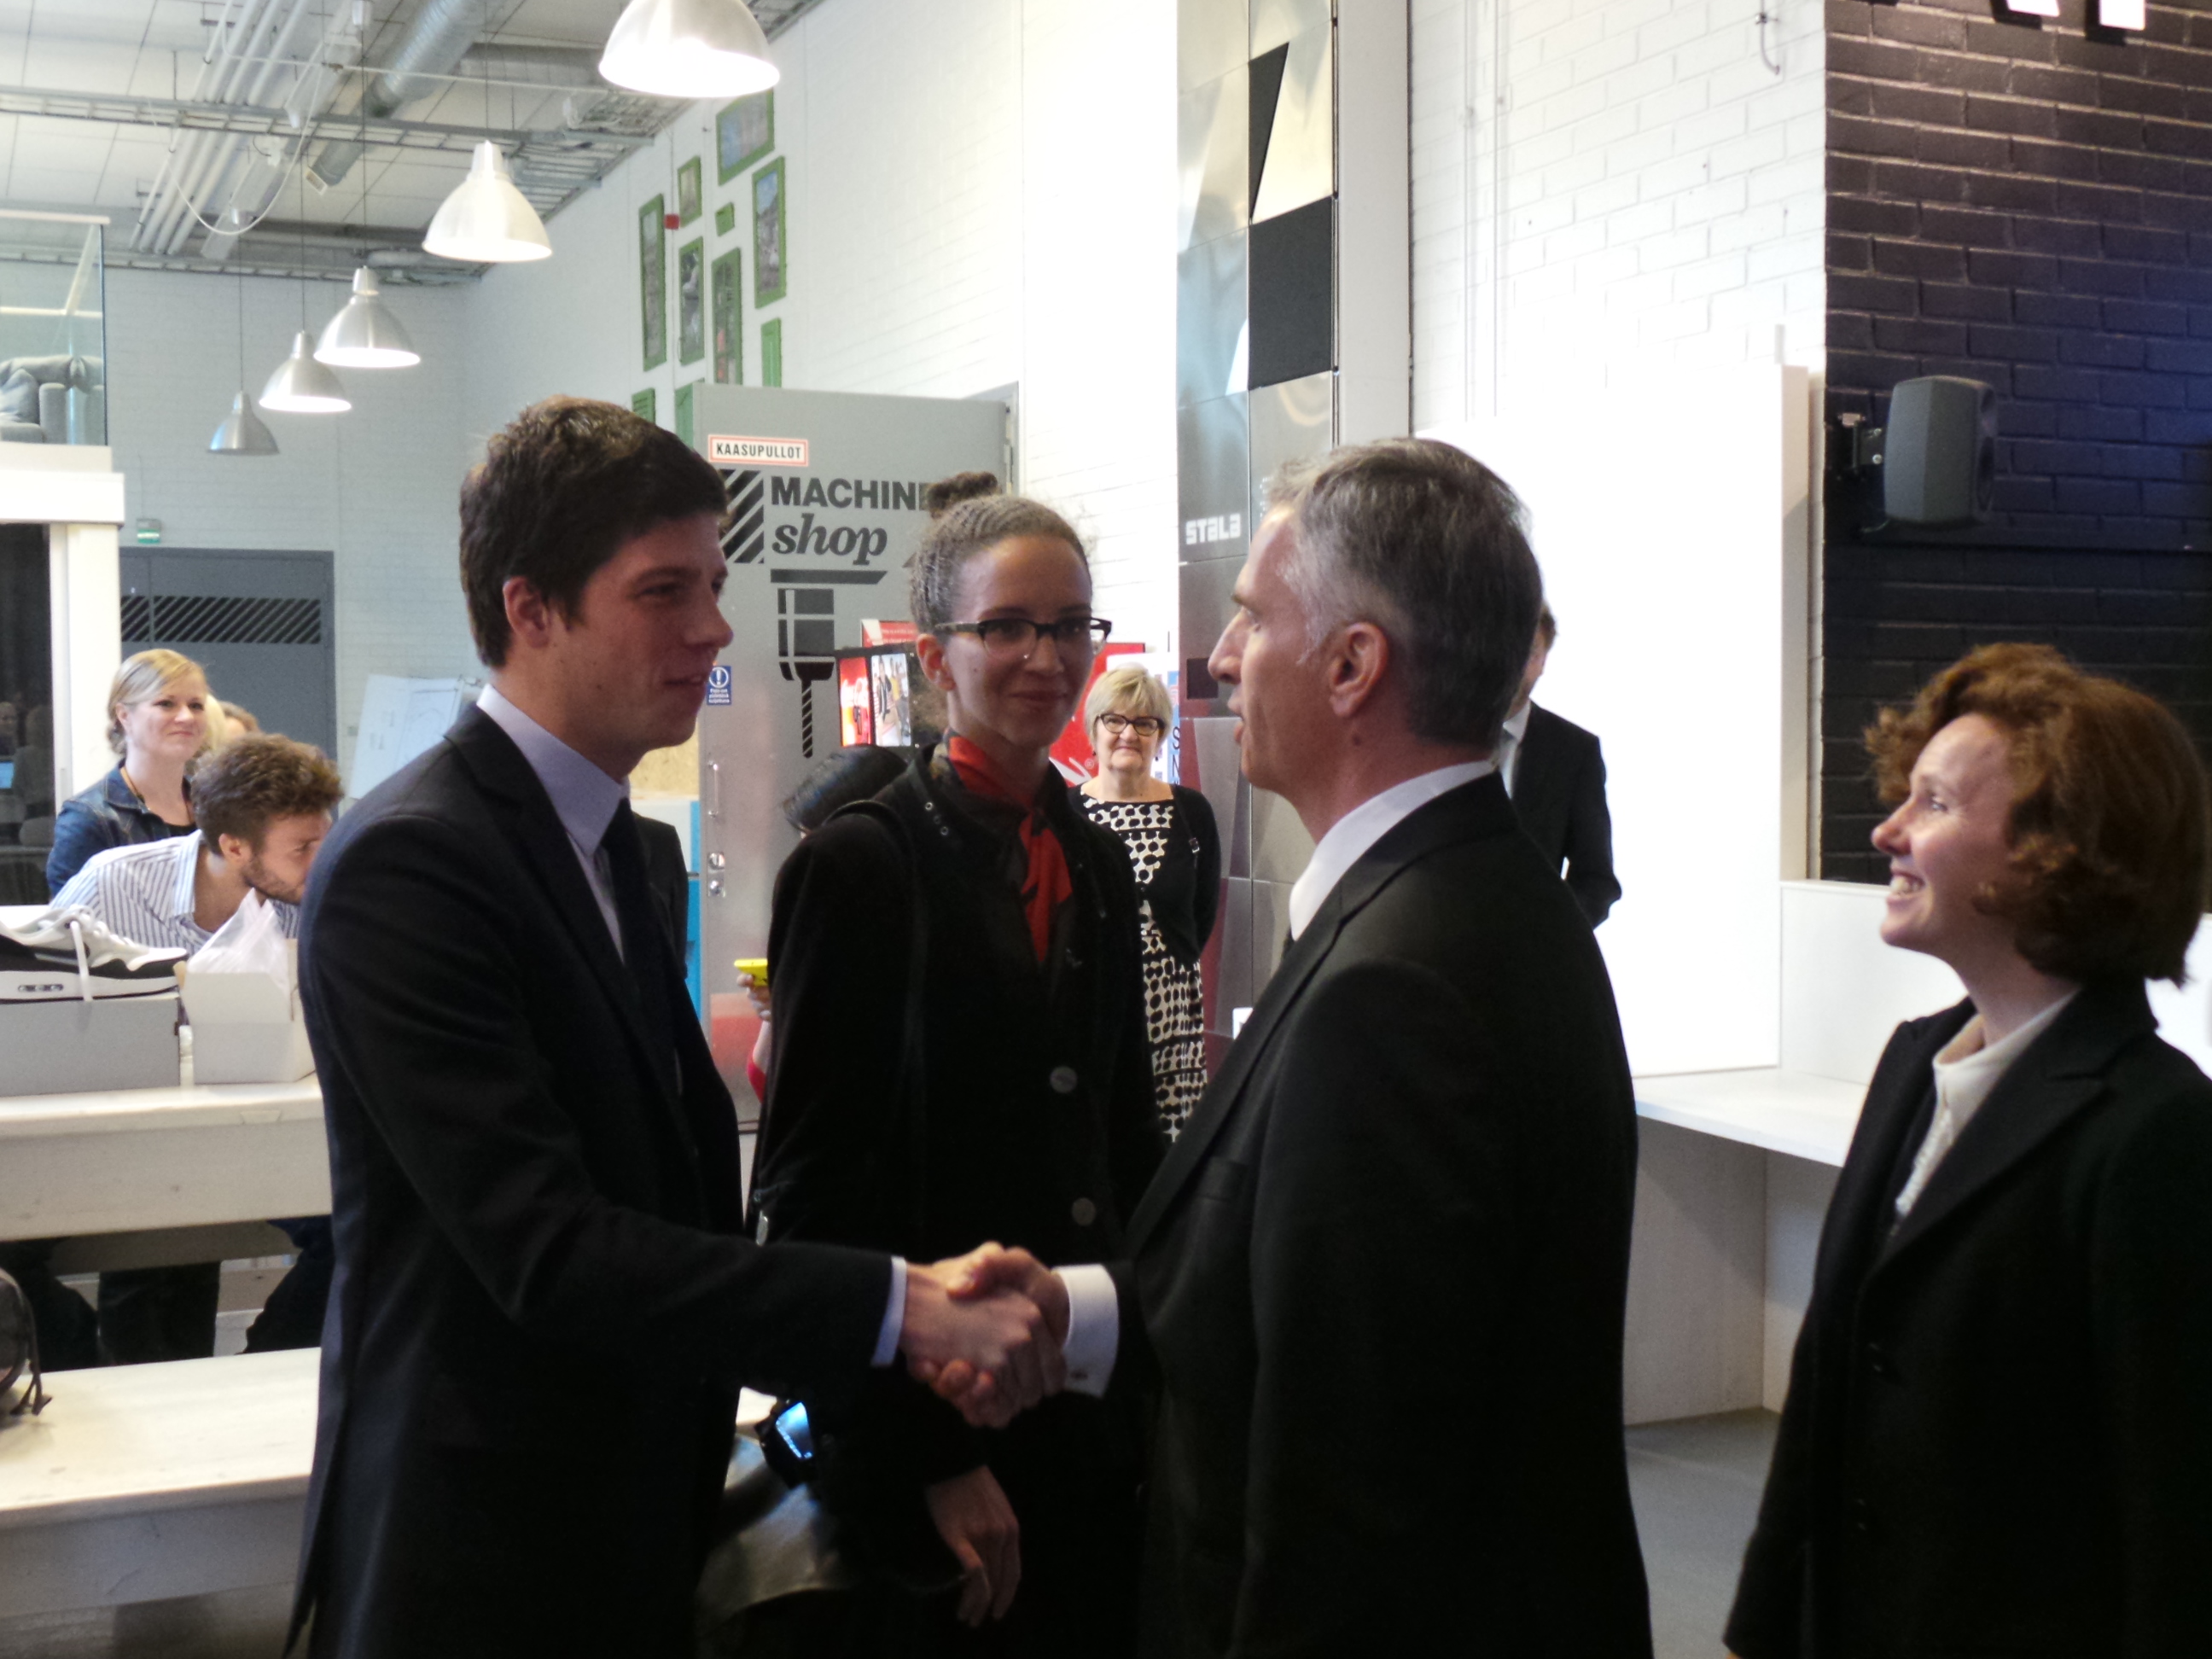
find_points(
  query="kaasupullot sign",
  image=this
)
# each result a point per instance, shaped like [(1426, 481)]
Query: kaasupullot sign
[(825, 511)]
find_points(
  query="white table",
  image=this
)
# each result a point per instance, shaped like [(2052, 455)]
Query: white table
[(141, 1159), (142, 1482)]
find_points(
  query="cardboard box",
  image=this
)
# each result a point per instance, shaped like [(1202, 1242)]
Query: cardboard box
[(75, 1047), (246, 1028)]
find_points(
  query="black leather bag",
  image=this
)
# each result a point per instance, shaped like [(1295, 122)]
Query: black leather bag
[(18, 1352)]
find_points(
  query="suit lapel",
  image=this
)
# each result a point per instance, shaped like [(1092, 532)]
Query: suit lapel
[(550, 856), (2058, 1076)]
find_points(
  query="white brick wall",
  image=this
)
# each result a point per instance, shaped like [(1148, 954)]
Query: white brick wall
[(1626, 182), (981, 192), (375, 487)]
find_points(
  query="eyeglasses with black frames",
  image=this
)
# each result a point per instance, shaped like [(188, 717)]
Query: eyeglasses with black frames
[(1017, 636), (1143, 725)]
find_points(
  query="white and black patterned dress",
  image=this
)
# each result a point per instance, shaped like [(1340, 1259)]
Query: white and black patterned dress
[(1175, 1011)]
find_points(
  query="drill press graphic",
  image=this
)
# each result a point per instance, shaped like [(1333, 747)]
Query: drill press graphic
[(805, 644)]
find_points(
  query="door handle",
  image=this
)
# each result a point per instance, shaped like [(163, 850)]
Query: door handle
[(714, 792)]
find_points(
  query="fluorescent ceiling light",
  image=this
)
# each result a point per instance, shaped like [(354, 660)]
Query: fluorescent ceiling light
[(688, 49), (486, 220), (302, 386), (364, 334)]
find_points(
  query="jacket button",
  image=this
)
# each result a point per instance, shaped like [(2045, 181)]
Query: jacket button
[(1084, 1211), (1878, 1361), (1063, 1079)]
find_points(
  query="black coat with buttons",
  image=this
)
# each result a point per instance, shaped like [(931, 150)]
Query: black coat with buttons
[(1032, 1123), (1998, 1438)]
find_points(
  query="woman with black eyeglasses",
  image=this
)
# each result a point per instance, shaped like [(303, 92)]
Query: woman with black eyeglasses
[(1175, 853), (960, 1056)]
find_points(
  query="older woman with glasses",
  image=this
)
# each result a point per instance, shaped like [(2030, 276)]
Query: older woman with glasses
[(1176, 853)]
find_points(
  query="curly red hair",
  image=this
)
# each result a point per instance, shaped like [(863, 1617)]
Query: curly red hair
[(2109, 828)]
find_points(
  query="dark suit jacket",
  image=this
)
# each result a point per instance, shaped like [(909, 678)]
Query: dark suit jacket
[(1998, 1438), (671, 883), (1382, 1274), (1558, 792), (543, 1305), (990, 1146)]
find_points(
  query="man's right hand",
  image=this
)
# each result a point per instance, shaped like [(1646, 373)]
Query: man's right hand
[(988, 1272), (1003, 1351)]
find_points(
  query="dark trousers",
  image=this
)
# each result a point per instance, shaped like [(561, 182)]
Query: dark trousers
[(293, 1315), (69, 1330), (148, 1314)]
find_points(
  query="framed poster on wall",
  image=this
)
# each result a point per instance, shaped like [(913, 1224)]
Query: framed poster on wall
[(686, 410), (726, 218), (645, 404), (772, 352), (692, 301), (691, 199), (653, 279), (744, 132), (770, 277), (728, 320)]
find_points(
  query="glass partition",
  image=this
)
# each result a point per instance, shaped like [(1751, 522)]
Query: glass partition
[(53, 329)]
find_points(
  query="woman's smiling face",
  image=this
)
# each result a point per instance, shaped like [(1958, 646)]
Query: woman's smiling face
[(1947, 845)]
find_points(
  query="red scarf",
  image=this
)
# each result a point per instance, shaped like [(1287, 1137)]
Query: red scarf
[(1046, 883)]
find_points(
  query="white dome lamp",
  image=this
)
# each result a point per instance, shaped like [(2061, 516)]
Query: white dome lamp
[(688, 49), (365, 334), (487, 221), (302, 386)]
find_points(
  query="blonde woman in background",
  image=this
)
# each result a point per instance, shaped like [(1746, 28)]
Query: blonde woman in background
[(1174, 852), (160, 715)]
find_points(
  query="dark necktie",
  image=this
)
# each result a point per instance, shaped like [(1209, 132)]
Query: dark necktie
[(647, 951)]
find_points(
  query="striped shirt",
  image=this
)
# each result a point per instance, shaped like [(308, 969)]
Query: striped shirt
[(145, 893)]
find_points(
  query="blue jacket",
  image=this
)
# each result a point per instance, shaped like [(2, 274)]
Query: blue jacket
[(109, 814)]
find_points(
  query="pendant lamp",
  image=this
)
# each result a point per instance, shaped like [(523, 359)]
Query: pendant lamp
[(365, 334), (486, 220), (302, 386), (245, 433), (688, 49)]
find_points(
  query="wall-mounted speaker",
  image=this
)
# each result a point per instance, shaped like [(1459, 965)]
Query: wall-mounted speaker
[(1939, 463)]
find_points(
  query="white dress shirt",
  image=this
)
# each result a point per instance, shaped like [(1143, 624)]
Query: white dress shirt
[(1094, 1314), (1967, 1069), (585, 800), (1509, 745), (145, 893)]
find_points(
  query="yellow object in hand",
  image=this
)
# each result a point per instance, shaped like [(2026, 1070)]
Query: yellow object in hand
[(755, 967)]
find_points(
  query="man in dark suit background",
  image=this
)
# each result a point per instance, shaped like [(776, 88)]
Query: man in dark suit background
[(545, 1304), (1556, 775), (1380, 1279)]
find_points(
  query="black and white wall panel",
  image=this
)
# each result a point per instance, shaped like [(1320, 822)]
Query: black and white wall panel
[(1293, 334)]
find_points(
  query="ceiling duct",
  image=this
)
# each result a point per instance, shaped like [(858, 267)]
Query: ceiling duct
[(442, 33)]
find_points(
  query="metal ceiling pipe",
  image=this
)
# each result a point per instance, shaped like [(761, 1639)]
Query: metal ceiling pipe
[(225, 150), (188, 171), (442, 33), (222, 48)]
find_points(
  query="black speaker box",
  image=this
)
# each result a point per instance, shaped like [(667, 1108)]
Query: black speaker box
[(1940, 451)]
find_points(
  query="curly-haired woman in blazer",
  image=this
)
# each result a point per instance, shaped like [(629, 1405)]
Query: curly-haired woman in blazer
[(1998, 1438)]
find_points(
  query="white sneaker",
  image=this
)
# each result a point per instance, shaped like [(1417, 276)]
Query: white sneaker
[(65, 955)]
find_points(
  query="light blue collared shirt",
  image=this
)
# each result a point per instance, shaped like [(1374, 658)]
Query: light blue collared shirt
[(585, 800)]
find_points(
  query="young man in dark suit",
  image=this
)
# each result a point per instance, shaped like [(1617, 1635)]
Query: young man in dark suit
[(1555, 773), (1380, 1279), (545, 1304)]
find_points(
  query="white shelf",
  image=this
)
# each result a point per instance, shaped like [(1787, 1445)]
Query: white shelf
[(1794, 1112)]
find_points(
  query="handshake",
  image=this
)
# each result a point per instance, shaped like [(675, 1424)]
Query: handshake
[(985, 1330)]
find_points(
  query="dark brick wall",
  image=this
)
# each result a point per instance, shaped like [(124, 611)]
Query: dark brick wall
[(2031, 207)]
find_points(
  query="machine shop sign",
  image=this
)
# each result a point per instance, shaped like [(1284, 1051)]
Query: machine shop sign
[(757, 452)]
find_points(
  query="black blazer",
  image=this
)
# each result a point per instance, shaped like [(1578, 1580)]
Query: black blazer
[(543, 1307), (669, 881), (1186, 894), (1996, 1439), (1382, 1275), (1559, 793), (1033, 1125)]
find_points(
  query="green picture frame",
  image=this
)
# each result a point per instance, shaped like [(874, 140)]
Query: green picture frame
[(745, 132), (726, 308), (726, 218), (653, 279), (645, 404), (691, 195), (686, 412), (772, 352), (771, 266), (691, 300)]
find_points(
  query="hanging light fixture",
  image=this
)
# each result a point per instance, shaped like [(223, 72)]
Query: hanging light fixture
[(365, 334), (244, 432), (688, 49), (486, 220), (302, 386)]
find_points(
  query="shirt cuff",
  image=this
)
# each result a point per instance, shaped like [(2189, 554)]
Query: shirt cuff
[(1094, 1328), (893, 1325)]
